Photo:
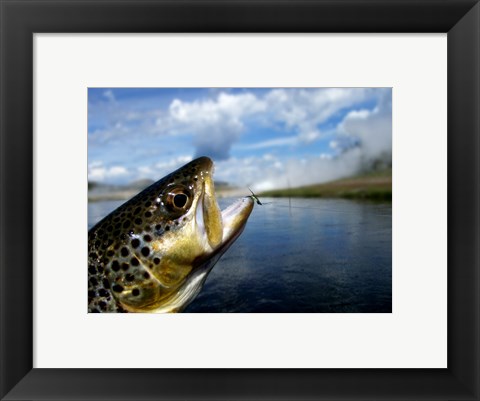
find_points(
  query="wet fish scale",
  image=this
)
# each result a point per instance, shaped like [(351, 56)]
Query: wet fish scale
[(143, 254)]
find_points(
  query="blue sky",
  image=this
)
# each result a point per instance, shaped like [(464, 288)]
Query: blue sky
[(264, 138)]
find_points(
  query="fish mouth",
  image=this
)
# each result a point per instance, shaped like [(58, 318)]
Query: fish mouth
[(218, 227)]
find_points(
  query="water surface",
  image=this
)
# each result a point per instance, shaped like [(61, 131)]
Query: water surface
[(303, 255)]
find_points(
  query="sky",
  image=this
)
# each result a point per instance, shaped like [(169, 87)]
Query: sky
[(263, 138)]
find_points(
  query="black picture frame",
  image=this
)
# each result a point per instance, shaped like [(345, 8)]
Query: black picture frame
[(20, 19)]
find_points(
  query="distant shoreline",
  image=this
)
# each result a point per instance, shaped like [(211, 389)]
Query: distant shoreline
[(372, 186), (375, 186), (112, 196)]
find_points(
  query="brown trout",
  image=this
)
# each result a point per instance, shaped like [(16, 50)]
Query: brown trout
[(153, 253)]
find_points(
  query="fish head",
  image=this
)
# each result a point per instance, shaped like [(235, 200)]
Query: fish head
[(173, 234)]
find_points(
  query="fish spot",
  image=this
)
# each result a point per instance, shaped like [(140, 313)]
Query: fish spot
[(125, 266), (129, 277), (148, 204), (117, 288), (93, 281), (97, 244), (126, 224), (106, 283), (92, 270), (102, 292), (134, 262), (147, 228), (158, 227), (137, 210), (167, 228), (110, 253), (103, 305), (110, 228), (135, 242), (100, 269), (146, 275), (147, 238), (148, 214), (92, 294), (138, 221), (135, 292), (156, 260), (145, 251), (124, 252), (115, 266)]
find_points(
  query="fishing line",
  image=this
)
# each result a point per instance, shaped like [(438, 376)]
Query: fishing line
[(257, 200), (317, 208)]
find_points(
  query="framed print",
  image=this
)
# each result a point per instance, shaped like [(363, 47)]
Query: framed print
[(324, 301), (62, 62)]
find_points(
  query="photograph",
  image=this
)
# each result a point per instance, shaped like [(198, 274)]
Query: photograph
[(240, 200)]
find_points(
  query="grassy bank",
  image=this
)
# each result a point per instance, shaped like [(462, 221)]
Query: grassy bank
[(375, 186)]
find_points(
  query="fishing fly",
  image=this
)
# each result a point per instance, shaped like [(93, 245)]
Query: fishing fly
[(255, 197)]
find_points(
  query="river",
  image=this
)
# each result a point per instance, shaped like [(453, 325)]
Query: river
[(301, 256)]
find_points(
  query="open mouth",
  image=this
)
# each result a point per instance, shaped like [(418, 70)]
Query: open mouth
[(221, 227)]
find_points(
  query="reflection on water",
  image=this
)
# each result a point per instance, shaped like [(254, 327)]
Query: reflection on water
[(318, 255)]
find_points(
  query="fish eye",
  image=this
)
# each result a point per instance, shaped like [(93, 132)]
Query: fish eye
[(178, 199)]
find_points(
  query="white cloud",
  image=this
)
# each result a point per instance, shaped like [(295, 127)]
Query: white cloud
[(373, 130), (145, 171), (271, 143), (264, 173), (305, 109), (95, 163), (216, 124), (363, 136), (109, 95), (117, 170), (166, 166), (98, 172), (173, 162)]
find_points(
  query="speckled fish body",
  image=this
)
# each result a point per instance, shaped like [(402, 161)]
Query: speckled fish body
[(154, 252)]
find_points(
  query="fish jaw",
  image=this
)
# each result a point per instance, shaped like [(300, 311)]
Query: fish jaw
[(211, 215), (235, 217), (221, 227), (233, 220)]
